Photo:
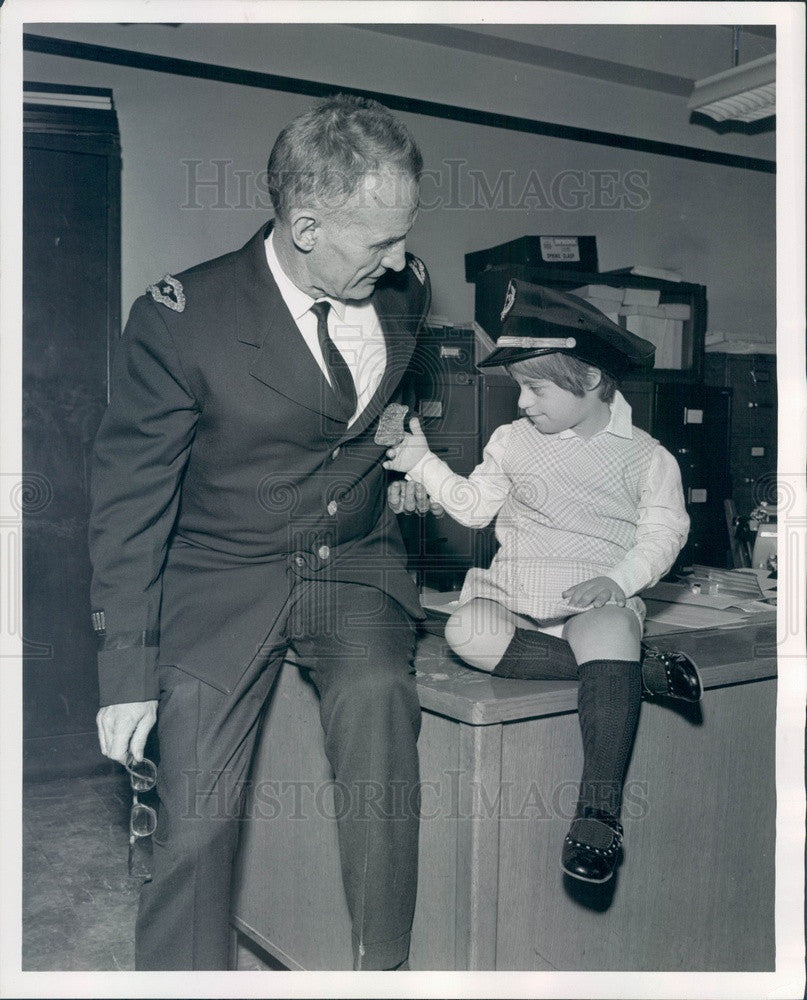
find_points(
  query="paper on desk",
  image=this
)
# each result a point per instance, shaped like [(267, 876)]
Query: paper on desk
[(683, 595), (694, 613), (436, 600), (755, 607), (690, 615)]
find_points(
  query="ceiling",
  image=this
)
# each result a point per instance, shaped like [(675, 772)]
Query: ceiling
[(665, 58)]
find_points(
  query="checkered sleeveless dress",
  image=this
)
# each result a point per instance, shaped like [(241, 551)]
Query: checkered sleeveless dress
[(570, 515)]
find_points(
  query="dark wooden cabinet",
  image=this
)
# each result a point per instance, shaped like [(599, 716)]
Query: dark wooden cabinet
[(71, 316)]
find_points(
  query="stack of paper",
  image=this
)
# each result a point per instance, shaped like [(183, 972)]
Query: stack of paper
[(607, 292), (641, 297), (603, 297), (676, 310), (640, 311), (719, 597), (667, 335), (730, 343), (690, 615)]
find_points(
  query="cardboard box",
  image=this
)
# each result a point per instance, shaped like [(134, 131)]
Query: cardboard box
[(570, 253)]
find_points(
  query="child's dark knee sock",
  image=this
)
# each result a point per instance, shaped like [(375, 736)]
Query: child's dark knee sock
[(537, 656), (608, 704)]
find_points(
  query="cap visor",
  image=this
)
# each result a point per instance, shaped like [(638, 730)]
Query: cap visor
[(509, 355)]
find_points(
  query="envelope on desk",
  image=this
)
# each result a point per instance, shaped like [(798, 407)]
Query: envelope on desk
[(691, 615)]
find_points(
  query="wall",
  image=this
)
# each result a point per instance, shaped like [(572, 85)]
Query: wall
[(353, 56), (717, 224)]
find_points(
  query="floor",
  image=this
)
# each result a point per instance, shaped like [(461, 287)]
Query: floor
[(79, 901)]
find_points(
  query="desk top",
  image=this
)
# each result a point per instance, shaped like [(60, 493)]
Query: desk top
[(724, 656)]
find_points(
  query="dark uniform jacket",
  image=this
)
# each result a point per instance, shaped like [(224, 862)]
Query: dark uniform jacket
[(224, 471)]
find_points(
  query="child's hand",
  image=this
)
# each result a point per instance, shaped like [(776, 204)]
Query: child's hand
[(601, 590), (406, 455)]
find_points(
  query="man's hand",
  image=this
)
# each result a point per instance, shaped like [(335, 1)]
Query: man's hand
[(406, 455), (123, 728), (405, 497), (599, 591)]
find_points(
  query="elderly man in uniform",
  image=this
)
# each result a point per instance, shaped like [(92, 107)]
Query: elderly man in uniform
[(239, 510)]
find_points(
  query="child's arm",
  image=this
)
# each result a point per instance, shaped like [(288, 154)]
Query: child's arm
[(473, 501), (661, 529)]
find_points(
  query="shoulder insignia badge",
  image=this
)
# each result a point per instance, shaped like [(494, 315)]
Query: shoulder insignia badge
[(419, 268), (509, 301), (169, 292)]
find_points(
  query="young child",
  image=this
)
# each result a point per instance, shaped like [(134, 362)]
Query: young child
[(589, 511)]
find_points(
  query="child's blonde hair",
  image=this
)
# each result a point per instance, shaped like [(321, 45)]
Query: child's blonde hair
[(567, 372)]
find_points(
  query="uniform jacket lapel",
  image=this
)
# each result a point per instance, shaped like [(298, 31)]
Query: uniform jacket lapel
[(283, 360), (400, 343)]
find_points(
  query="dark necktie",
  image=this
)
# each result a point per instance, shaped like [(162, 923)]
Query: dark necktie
[(341, 379)]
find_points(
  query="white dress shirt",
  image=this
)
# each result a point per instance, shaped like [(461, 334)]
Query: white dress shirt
[(352, 326)]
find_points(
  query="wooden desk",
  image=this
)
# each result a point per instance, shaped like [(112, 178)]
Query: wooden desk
[(500, 762)]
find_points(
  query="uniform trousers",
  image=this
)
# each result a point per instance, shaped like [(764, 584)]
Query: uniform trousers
[(358, 644)]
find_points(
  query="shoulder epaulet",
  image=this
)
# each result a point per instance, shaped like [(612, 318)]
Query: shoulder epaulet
[(169, 292), (419, 268)]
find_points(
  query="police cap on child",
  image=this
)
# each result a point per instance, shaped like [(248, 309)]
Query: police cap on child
[(538, 320)]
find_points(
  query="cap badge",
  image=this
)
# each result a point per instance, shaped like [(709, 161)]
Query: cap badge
[(509, 301)]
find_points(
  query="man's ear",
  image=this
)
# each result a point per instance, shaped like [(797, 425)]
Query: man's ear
[(304, 230)]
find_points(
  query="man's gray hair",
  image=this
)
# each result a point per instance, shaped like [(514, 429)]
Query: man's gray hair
[(326, 152)]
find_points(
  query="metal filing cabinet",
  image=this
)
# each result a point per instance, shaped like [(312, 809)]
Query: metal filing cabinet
[(459, 407), (752, 377), (693, 422)]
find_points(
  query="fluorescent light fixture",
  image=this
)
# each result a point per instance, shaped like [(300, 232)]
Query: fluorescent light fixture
[(743, 94)]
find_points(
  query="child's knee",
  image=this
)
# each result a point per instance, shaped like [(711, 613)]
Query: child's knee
[(609, 632), (478, 634), (459, 630)]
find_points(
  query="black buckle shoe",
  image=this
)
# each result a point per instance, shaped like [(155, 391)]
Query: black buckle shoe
[(671, 674), (588, 863)]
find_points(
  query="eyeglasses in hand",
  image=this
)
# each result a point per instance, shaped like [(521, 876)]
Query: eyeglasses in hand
[(142, 818)]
